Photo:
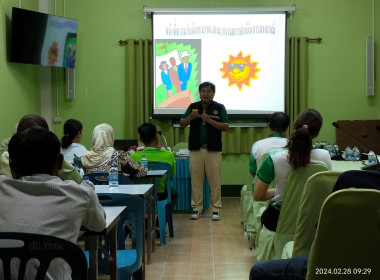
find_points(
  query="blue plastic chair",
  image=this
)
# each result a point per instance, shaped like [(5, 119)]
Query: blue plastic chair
[(129, 261), (44, 248), (164, 207), (101, 178), (124, 179)]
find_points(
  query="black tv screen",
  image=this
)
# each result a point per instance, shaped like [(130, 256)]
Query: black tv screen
[(43, 39)]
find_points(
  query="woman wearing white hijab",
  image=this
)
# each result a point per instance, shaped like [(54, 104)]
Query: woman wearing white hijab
[(102, 155)]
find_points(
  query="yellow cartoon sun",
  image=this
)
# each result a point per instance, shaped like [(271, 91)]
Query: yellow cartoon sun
[(239, 70)]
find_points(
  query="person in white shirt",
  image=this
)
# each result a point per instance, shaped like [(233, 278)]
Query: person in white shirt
[(68, 172), (72, 134), (35, 200), (278, 124), (278, 164)]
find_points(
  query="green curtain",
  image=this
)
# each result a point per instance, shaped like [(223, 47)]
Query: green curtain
[(139, 96), (297, 77), (138, 85)]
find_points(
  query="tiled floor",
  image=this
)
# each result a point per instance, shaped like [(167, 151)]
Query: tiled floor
[(204, 249)]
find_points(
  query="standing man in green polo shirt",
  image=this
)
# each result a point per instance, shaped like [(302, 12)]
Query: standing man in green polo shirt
[(207, 120)]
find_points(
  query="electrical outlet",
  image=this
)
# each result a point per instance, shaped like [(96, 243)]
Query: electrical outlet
[(57, 120)]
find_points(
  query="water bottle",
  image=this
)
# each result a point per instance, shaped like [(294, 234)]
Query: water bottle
[(144, 161), (348, 153), (113, 177), (371, 157), (86, 181), (322, 145), (355, 153), (80, 170), (317, 145), (330, 149), (336, 148)]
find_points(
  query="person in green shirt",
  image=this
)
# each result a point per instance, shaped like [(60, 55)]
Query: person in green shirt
[(207, 119), (149, 136)]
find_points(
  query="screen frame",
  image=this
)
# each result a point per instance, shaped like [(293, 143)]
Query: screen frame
[(18, 53), (235, 115)]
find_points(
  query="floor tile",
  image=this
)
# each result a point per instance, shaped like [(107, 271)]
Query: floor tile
[(204, 249)]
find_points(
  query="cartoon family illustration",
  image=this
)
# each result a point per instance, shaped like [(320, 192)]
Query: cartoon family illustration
[(176, 76)]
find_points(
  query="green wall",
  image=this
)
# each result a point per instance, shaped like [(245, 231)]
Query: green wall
[(336, 76), (19, 83)]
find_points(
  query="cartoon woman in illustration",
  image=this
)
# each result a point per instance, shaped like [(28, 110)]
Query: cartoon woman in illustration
[(165, 77)]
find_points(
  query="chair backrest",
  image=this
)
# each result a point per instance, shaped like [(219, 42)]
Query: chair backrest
[(159, 165), (101, 178), (43, 248), (180, 145), (253, 225), (125, 179), (318, 187), (287, 221), (135, 208), (347, 238)]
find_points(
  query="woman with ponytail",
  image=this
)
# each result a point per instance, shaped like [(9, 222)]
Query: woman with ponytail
[(277, 166), (72, 134)]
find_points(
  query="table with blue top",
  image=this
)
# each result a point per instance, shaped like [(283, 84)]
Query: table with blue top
[(182, 183)]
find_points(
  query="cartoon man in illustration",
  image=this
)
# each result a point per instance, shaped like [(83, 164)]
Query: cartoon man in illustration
[(173, 73), (184, 69)]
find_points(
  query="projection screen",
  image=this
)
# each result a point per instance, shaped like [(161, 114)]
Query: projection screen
[(242, 54)]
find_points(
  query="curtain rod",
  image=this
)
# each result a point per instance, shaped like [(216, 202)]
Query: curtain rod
[(234, 10), (319, 39), (124, 42)]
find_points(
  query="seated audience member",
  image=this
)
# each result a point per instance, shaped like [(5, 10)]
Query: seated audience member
[(296, 267), (103, 155), (278, 124), (35, 200), (4, 145), (68, 172), (277, 166), (361, 179), (4, 142), (148, 135), (72, 134)]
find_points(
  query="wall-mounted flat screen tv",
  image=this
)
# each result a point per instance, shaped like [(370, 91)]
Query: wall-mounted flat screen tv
[(43, 39)]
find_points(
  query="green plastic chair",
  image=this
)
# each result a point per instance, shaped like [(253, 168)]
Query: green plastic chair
[(318, 187), (246, 201), (347, 243), (180, 145), (271, 244), (254, 217), (246, 195)]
